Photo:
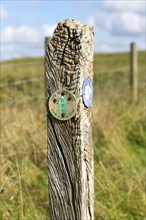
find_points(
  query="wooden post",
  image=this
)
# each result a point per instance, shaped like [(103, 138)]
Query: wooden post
[(133, 72), (47, 40), (69, 65)]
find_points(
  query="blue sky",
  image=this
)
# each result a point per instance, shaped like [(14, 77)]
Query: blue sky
[(25, 23)]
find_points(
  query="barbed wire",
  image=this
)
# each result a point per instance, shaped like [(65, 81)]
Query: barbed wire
[(22, 64), (111, 70), (15, 83), (39, 63), (96, 71), (22, 91), (102, 88), (20, 86), (115, 58)]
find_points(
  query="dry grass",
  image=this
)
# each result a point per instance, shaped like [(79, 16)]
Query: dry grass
[(119, 161), (119, 151)]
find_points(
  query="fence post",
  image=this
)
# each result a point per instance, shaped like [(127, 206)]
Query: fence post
[(69, 75), (133, 72)]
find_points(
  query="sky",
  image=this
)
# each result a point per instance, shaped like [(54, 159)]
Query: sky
[(25, 24)]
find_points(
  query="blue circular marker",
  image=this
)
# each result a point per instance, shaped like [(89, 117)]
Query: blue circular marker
[(87, 92)]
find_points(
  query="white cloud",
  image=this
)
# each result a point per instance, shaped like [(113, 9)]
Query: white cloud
[(28, 34), (124, 6), (20, 34), (118, 23), (128, 24), (23, 41), (48, 29)]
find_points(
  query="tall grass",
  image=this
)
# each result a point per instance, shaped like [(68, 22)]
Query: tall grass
[(119, 132)]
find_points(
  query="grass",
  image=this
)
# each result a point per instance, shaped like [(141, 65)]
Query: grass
[(119, 132), (119, 163)]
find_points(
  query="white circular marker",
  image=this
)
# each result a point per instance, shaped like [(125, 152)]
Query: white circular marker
[(87, 92)]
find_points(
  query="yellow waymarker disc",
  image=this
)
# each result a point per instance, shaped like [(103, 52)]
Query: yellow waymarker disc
[(62, 104)]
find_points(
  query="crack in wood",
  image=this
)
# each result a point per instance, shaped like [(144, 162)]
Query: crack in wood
[(69, 60), (65, 163)]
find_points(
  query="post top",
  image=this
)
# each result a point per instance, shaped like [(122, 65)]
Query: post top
[(74, 26), (70, 23)]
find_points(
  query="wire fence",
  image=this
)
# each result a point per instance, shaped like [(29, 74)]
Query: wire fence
[(17, 92), (32, 89), (28, 64), (20, 82)]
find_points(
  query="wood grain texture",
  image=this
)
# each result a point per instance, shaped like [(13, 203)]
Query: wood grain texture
[(69, 60)]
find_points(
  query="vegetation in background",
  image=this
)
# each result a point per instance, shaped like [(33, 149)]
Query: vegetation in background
[(119, 132)]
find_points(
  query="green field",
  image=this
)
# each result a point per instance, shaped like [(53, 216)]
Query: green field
[(119, 137)]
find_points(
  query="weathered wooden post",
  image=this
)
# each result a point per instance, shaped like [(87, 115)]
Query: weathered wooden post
[(133, 72), (69, 74)]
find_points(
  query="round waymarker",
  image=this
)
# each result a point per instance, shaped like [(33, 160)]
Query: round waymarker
[(62, 104), (87, 92)]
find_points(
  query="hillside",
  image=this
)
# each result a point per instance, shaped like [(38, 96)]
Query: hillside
[(119, 137)]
